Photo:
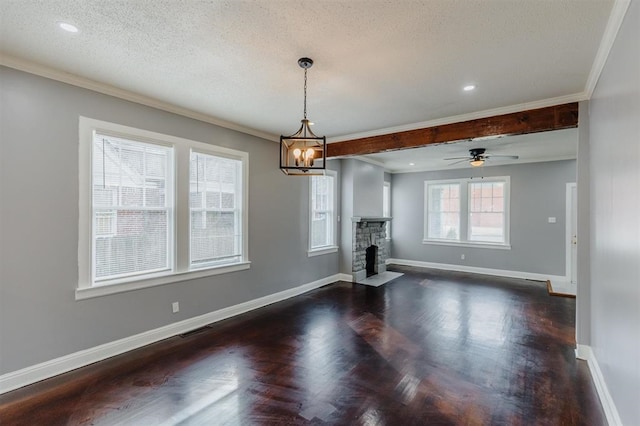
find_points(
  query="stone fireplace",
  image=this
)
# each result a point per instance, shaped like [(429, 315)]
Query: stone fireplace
[(369, 247)]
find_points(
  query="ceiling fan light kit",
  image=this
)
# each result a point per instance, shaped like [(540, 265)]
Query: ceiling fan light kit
[(477, 157), (303, 153)]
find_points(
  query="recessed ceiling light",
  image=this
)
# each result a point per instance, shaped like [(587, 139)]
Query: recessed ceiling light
[(68, 27), (469, 87), (412, 164)]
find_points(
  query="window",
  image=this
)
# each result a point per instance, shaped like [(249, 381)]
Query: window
[(443, 216), (322, 220), (386, 207), (216, 213), (486, 212), (135, 231), (467, 212), (132, 207)]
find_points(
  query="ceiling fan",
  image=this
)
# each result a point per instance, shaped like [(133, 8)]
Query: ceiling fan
[(477, 157)]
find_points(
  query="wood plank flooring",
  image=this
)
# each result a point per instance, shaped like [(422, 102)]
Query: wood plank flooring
[(430, 347)]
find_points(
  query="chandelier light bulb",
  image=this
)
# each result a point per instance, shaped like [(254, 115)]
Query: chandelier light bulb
[(309, 153)]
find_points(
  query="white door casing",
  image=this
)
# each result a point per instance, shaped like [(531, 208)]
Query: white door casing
[(571, 268)]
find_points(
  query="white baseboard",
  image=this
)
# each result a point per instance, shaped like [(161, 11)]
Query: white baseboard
[(585, 352), (47, 369), (477, 270), (345, 277)]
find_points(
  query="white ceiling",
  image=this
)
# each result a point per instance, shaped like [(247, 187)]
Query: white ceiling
[(378, 64), (531, 148)]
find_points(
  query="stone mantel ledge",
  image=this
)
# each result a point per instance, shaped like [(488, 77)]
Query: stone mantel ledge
[(358, 219)]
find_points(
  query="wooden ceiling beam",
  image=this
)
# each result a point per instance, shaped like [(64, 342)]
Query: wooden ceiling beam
[(518, 123)]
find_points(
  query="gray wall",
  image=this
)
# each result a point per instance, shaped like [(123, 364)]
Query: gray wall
[(388, 177), (614, 136), (583, 294), (39, 317), (361, 196), (346, 212), (537, 192), (367, 189)]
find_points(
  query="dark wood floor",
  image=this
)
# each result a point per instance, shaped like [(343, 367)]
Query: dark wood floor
[(428, 348)]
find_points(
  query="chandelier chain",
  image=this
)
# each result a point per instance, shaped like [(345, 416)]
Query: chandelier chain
[(305, 93)]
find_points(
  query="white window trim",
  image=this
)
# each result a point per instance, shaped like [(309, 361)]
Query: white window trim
[(242, 201), (465, 214), (506, 212), (388, 223), (440, 241), (332, 248), (321, 251), (179, 270), (453, 243)]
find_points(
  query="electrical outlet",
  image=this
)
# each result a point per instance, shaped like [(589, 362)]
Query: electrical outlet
[(551, 220), (462, 256), (175, 307)]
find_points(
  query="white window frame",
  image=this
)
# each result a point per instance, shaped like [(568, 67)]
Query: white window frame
[(239, 200), (179, 199), (427, 185), (332, 247), (386, 208), (465, 201), (169, 208)]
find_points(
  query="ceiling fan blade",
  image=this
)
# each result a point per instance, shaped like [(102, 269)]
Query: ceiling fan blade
[(457, 158), (457, 162), (513, 157)]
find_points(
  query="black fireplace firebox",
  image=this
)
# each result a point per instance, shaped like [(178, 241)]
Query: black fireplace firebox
[(371, 259)]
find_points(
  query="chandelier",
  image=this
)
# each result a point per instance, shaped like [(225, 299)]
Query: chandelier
[(303, 153)]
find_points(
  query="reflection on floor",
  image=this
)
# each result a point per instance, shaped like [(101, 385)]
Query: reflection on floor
[(562, 288), (378, 279), (429, 348)]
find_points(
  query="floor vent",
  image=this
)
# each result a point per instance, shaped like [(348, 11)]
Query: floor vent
[(196, 331)]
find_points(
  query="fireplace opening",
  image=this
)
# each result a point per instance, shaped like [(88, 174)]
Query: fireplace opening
[(371, 259)]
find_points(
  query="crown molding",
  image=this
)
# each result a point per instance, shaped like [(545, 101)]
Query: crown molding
[(544, 103), (554, 117), (618, 12), (616, 17), (106, 89)]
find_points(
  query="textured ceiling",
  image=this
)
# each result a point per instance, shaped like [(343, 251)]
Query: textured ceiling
[(530, 148), (378, 64)]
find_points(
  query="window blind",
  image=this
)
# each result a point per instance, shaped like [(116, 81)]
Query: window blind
[(216, 210), (131, 207), (444, 211), (321, 211)]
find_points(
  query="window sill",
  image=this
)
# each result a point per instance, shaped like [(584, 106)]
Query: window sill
[(323, 250), (106, 289), (467, 244)]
